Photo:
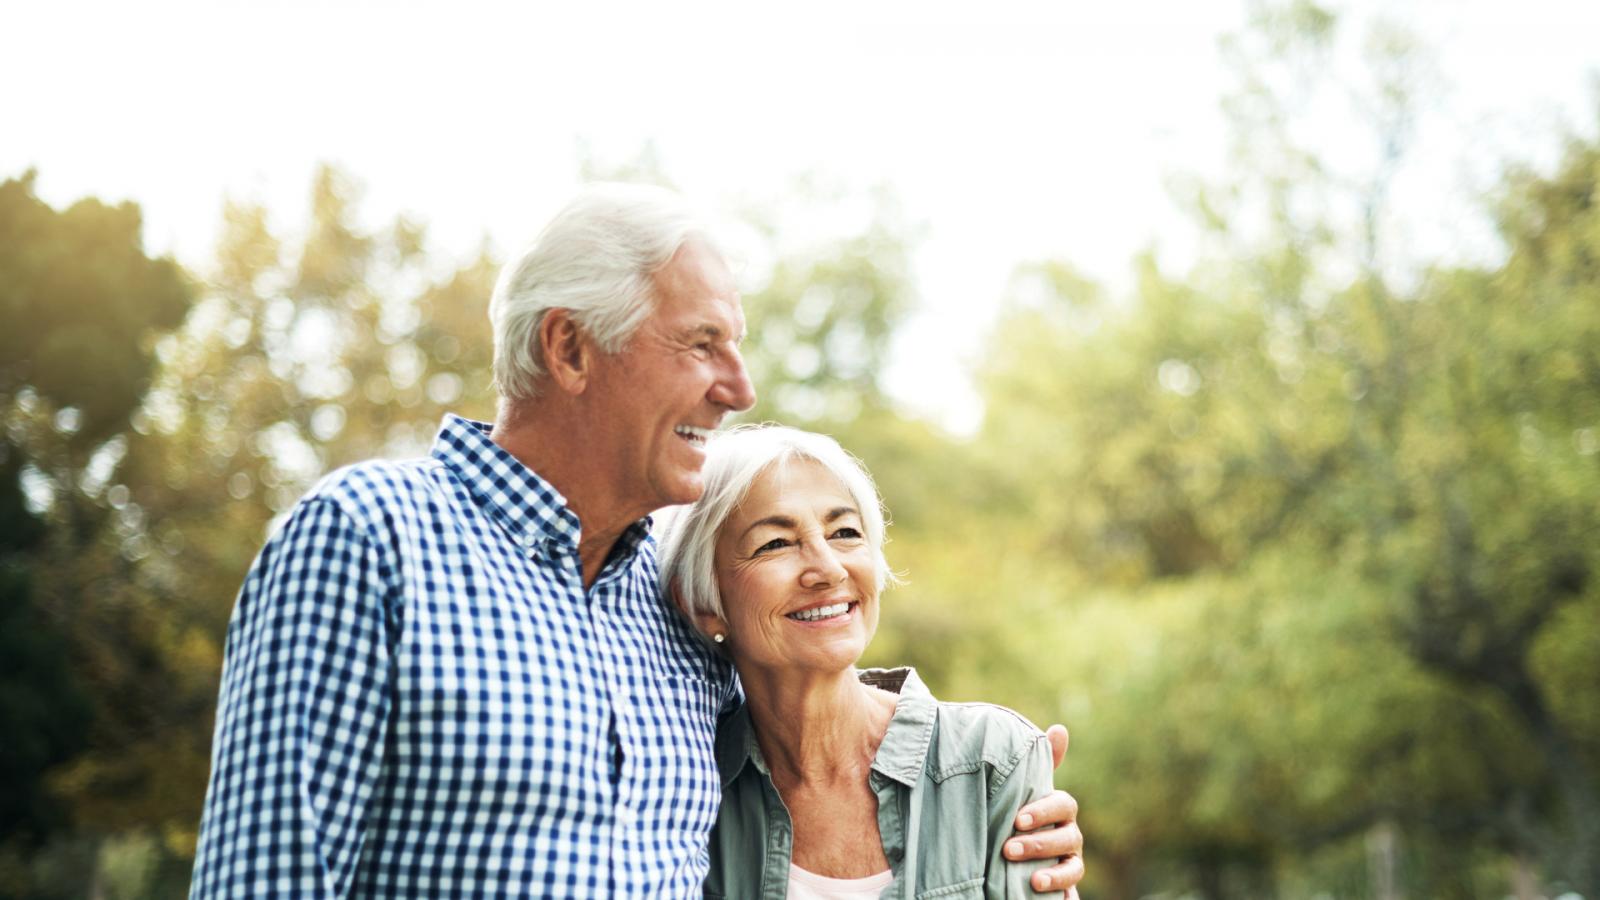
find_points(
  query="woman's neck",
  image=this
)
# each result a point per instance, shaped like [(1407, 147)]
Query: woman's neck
[(814, 729)]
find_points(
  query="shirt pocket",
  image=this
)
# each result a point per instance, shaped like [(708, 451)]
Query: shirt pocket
[(675, 750)]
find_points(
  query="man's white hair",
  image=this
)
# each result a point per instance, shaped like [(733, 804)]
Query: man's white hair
[(595, 258), (734, 460)]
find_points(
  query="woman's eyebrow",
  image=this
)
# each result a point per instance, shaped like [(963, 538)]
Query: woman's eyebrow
[(782, 521), (774, 521)]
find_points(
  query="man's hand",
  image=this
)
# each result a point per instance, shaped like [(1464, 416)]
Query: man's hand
[(1036, 839)]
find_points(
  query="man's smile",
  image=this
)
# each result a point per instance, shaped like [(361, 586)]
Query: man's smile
[(694, 435)]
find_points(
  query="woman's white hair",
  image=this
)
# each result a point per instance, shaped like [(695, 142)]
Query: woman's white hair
[(595, 258), (734, 460)]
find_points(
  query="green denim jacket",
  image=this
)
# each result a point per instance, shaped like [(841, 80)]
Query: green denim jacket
[(958, 772)]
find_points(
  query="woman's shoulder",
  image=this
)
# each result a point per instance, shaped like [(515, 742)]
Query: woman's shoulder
[(971, 736), (963, 737)]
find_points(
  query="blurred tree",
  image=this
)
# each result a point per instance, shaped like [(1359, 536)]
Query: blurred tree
[(1159, 455), (1499, 488), (820, 322), (1420, 463), (82, 302)]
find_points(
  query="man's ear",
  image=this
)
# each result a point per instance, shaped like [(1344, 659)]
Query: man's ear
[(565, 349)]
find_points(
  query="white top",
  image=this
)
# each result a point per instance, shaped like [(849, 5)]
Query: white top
[(805, 885)]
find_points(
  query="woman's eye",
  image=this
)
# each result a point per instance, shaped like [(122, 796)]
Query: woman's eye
[(847, 533), (774, 544)]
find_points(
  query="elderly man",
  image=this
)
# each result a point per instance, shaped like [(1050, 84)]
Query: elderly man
[(453, 677)]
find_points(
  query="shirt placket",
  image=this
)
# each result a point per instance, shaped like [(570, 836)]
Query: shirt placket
[(599, 641), (603, 599)]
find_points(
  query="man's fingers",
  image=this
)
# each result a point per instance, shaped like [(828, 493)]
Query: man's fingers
[(1058, 743), (1054, 808), (1052, 843), (1061, 877)]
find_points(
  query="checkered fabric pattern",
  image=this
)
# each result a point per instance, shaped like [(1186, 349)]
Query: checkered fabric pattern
[(420, 699)]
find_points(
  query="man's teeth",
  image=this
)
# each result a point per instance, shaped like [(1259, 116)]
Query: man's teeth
[(820, 612), (695, 435)]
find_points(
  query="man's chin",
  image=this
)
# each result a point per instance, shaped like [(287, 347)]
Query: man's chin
[(683, 491)]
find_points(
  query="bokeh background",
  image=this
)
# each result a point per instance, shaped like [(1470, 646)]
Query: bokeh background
[(1231, 370)]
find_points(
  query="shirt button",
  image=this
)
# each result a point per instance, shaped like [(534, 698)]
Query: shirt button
[(626, 817)]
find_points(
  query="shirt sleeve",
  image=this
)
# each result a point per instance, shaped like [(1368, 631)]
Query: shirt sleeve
[(301, 717), (1028, 780)]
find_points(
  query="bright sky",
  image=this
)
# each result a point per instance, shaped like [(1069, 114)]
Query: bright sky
[(1029, 130)]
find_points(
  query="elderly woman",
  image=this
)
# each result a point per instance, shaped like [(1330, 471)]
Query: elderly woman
[(836, 782)]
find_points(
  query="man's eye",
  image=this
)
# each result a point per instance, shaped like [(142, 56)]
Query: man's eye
[(847, 533)]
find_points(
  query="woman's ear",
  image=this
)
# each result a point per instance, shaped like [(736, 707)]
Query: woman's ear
[(708, 624)]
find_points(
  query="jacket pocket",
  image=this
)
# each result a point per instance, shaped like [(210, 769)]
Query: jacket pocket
[(972, 887)]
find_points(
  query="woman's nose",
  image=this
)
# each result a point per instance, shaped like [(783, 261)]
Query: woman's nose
[(822, 566)]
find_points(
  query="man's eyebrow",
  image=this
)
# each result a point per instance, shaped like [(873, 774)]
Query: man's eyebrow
[(712, 332), (708, 330)]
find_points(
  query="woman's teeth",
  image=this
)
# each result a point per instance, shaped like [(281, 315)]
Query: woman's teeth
[(820, 612)]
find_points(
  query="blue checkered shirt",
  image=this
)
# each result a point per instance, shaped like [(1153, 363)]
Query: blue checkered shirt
[(420, 699)]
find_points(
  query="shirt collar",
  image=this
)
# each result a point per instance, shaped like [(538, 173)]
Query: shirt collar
[(901, 756), (529, 508)]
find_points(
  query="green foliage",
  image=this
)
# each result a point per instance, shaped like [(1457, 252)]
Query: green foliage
[(75, 285), (1262, 477), (819, 328), (82, 302)]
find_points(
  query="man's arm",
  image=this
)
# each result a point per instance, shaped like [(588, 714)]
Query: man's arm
[(301, 716), (1063, 843)]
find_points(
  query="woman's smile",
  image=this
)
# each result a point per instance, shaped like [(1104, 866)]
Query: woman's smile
[(831, 614)]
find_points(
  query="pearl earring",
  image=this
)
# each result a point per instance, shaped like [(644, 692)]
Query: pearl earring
[(719, 637)]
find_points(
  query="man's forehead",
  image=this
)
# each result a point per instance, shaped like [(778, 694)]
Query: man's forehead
[(719, 318)]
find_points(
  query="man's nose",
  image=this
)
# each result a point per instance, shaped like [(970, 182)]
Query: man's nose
[(733, 389)]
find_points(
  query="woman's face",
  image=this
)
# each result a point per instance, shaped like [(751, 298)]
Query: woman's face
[(796, 572)]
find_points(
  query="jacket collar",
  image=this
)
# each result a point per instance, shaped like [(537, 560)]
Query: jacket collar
[(904, 751)]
